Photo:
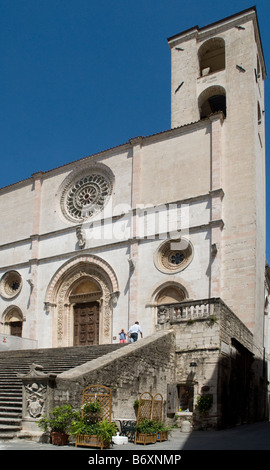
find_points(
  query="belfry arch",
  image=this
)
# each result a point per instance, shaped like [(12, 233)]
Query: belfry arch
[(85, 287), (212, 56), (212, 100)]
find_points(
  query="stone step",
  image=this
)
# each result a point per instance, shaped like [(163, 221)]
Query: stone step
[(8, 391), (15, 385), (9, 431), (11, 414), (9, 428), (4, 400), (8, 435), (54, 360), (4, 405), (12, 420)]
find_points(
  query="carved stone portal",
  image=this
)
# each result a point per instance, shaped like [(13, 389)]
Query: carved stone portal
[(62, 294)]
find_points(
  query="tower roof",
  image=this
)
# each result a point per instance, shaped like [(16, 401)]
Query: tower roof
[(228, 22)]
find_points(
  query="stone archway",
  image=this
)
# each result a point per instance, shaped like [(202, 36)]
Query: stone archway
[(170, 294), (82, 280), (170, 291), (167, 293), (12, 321)]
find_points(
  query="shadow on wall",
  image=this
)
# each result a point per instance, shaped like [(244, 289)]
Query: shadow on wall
[(242, 393)]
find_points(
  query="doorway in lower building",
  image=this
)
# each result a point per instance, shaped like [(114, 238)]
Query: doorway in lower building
[(16, 328)]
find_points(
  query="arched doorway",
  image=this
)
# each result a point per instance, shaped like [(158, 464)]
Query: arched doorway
[(80, 299), (85, 299), (13, 321)]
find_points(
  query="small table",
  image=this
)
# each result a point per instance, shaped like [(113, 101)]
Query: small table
[(127, 427)]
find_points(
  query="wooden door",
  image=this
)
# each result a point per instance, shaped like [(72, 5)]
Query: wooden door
[(16, 328), (86, 324)]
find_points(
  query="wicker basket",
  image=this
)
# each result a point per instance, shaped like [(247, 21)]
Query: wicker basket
[(91, 441), (145, 438)]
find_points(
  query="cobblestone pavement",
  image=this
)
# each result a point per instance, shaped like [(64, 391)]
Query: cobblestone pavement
[(246, 437)]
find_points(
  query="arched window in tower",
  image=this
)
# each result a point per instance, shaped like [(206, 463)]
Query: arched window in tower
[(212, 56), (212, 100)]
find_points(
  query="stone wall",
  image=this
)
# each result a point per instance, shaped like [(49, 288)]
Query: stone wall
[(207, 349), (147, 365), (214, 354)]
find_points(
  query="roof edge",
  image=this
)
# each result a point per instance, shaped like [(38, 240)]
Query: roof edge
[(215, 23)]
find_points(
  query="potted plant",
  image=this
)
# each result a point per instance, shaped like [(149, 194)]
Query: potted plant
[(58, 423), (105, 431), (145, 432), (204, 403), (90, 432), (95, 434), (162, 431), (91, 411), (136, 406)]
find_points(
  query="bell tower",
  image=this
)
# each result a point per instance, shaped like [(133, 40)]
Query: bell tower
[(220, 67), (213, 63)]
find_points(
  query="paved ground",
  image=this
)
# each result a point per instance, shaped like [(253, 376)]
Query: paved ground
[(246, 437)]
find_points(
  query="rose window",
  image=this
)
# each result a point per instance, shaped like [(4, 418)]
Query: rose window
[(86, 197)]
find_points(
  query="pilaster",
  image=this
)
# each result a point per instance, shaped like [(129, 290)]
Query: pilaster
[(134, 244), (33, 262), (216, 194)]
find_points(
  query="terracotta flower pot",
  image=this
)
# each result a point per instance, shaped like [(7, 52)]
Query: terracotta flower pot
[(59, 438)]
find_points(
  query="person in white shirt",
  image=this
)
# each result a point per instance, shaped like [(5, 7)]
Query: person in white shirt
[(133, 331)]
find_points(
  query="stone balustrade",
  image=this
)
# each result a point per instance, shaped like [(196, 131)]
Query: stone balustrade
[(184, 311)]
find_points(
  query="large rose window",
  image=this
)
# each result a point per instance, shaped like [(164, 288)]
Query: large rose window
[(85, 196)]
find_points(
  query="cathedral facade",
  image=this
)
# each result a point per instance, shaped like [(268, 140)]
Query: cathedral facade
[(91, 247)]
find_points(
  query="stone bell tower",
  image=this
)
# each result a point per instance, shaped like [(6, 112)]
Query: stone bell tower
[(220, 67)]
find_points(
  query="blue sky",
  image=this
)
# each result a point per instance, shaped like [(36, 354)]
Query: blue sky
[(81, 76)]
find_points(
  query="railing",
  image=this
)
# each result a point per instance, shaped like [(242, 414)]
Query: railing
[(13, 343), (192, 310)]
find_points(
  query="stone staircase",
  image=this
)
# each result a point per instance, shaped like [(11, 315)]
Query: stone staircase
[(54, 360)]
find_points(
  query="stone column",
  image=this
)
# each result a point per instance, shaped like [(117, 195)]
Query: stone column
[(37, 399)]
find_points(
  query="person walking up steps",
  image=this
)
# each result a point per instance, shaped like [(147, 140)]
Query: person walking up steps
[(133, 331), (123, 336)]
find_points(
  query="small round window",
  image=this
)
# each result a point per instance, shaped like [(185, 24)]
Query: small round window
[(10, 284), (173, 255)]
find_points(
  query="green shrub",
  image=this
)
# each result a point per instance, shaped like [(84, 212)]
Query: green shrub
[(204, 403), (150, 426), (59, 419)]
